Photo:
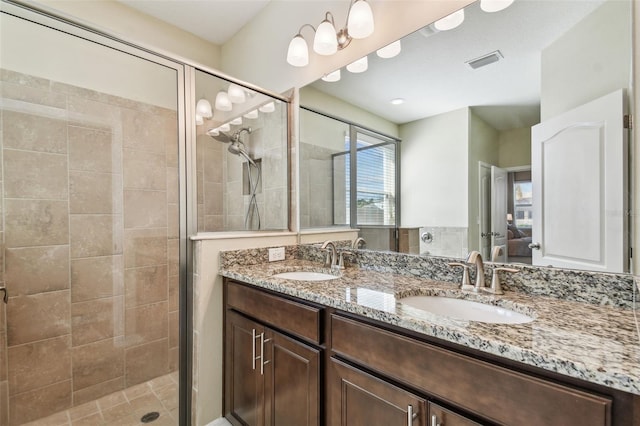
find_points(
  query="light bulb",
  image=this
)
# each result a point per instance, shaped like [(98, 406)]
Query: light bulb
[(199, 120), (236, 121), (270, 107), (494, 5), (223, 103), (298, 53), (332, 76), (358, 66), (390, 50), (451, 21), (224, 128), (213, 132), (360, 20), (325, 41), (203, 108), (236, 94), (252, 114)]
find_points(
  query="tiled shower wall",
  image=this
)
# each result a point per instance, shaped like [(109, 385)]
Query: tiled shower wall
[(90, 245), (222, 206)]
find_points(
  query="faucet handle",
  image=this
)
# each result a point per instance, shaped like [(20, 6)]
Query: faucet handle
[(341, 259), (466, 281), (496, 286)]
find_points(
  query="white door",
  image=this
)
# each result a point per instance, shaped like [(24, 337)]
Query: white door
[(484, 219), (579, 175), (499, 213)]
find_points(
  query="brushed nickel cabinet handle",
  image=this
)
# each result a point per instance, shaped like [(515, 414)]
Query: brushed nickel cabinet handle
[(409, 415), (434, 421), (253, 348)]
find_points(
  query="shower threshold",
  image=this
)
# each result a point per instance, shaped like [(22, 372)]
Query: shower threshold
[(124, 408)]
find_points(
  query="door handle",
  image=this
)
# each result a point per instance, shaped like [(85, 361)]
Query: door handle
[(535, 246), (262, 361)]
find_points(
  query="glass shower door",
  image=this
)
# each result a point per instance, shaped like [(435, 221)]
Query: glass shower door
[(91, 239)]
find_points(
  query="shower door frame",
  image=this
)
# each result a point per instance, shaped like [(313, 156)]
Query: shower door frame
[(186, 166)]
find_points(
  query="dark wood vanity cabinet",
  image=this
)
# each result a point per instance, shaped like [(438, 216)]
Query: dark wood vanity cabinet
[(289, 362), (271, 379)]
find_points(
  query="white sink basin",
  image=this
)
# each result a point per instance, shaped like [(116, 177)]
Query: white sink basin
[(466, 310), (305, 276)]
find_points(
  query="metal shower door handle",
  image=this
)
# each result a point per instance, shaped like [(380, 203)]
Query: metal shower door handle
[(534, 246)]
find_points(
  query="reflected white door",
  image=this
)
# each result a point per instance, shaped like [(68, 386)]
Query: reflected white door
[(579, 174), (484, 219), (499, 213)]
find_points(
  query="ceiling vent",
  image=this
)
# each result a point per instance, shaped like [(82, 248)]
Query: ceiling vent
[(484, 60)]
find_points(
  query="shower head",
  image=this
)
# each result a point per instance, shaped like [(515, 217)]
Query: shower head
[(219, 136), (236, 148)]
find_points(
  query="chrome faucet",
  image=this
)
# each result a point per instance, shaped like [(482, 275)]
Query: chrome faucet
[(357, 242), (332, 257), (476, 258)]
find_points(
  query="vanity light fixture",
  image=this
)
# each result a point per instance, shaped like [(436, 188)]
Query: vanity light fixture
[(494, 5), (270, 107), (390, 50), (213, 132), (203, 108), (252, 114), (451, 21), (224, 128), (236, 94), (327, 40), (223, 103), (358, 66), (332, 76)]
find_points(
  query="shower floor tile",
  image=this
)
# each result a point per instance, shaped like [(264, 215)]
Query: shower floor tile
[(124, 408)]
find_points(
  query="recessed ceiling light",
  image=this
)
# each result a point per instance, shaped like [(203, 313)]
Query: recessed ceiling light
[(397, 101)]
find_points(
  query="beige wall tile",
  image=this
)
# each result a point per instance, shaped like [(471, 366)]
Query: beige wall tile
[(88, 113), (97, 363), (96, 277), (144, 170), (173, 329), (95, 235), (3, 355), (26, 80), (38, 317), (173, 256), (145, 209), (34, 132), (174, 282), (213, 163), (168, 395), (94, 320), (33, 270), (38, 175), (4, 403), (145, 285), (91, 150), (214, 223), (174, 221), (146, 323), (145, 247), (31, 223), (146, 361), (33, 95), (84, 410), (173, 186), (39, 364), (91, 192), (90, 393), (145, 131), (174, 359), (213, 198), (39, 403)]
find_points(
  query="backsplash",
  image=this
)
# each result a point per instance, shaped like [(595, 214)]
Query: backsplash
[(566, 284)]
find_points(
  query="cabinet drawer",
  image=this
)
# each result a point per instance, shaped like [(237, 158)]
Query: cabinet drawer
[(489, 391), (284, 314)]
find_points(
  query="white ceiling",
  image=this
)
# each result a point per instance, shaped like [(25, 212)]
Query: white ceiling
[(213, 20), (430, 73)]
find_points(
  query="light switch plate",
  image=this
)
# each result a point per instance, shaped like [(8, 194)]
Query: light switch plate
[(276, 254)]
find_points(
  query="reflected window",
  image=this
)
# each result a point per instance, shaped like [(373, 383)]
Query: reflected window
[(522, 204)]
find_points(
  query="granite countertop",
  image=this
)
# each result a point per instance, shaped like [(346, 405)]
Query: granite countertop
[(598, 344)]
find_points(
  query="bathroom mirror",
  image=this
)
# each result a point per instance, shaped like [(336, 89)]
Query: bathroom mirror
[(241, 157), (542, 58)]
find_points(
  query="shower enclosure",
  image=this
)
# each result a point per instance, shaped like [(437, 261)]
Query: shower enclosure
[(93, 237)]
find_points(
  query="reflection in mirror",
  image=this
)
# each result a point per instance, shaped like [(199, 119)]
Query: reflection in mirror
[(467, 131), (241, 157)]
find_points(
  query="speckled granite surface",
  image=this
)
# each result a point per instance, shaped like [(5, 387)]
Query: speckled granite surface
[(595, 339)]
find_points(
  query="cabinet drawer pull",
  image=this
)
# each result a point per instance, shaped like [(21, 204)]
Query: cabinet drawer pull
[(434, 421), (253, 348), (262, 361)]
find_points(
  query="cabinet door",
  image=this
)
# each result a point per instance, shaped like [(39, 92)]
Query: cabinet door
[(359, 399), (244, 390), (439, 416), (292, 382)]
